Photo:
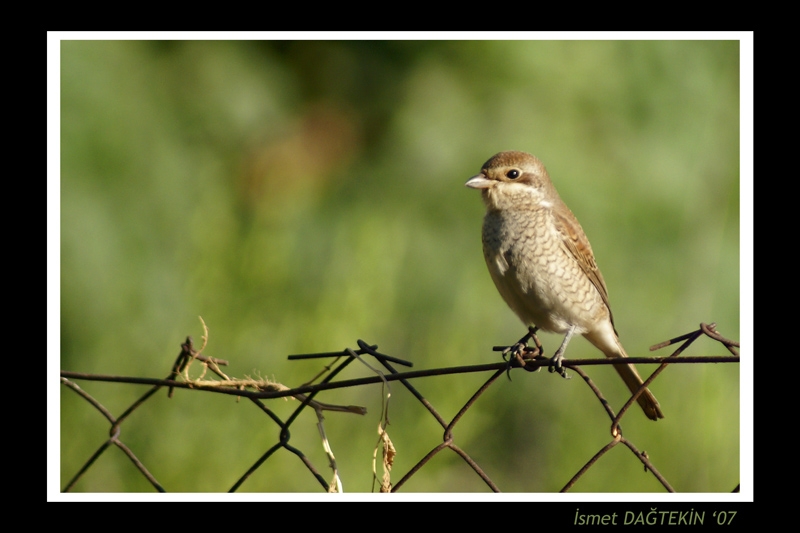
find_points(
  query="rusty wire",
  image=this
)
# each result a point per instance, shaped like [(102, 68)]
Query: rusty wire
[(306, 393)]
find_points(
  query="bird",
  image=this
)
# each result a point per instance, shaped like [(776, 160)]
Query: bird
[(542, 263)]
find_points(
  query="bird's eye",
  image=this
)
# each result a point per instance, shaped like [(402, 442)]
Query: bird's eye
[(513, 174)]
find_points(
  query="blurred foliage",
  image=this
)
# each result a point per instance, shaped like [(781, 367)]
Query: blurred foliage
[(300, 195)]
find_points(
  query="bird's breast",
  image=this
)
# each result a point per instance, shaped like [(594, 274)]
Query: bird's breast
[(535, 273)]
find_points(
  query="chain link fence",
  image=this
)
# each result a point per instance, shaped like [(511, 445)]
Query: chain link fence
[(260, 391)]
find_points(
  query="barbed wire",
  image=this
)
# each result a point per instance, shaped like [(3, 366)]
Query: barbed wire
[(259, 390)]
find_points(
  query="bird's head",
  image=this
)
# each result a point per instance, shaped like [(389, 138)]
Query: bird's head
[(513, 180)]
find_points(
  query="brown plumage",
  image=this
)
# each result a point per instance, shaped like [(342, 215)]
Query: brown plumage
[(542, 263)]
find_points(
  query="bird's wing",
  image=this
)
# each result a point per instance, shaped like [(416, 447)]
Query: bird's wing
[(576, 243)]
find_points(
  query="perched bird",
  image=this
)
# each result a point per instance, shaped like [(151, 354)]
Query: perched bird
[(542, 262)]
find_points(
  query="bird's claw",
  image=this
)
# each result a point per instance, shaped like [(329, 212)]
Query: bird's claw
[(555, 362), (556, 366), (515, 350), (521, 352), (516, 353)]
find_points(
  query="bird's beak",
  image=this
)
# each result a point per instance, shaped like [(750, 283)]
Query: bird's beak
[(479, 182)]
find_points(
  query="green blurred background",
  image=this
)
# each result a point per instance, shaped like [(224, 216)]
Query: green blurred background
[(300, 195)]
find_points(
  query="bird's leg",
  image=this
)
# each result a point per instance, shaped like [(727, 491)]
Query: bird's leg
[(555, 362)]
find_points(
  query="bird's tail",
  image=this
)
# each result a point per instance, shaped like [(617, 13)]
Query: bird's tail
[(609, 344), (646, 399)]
